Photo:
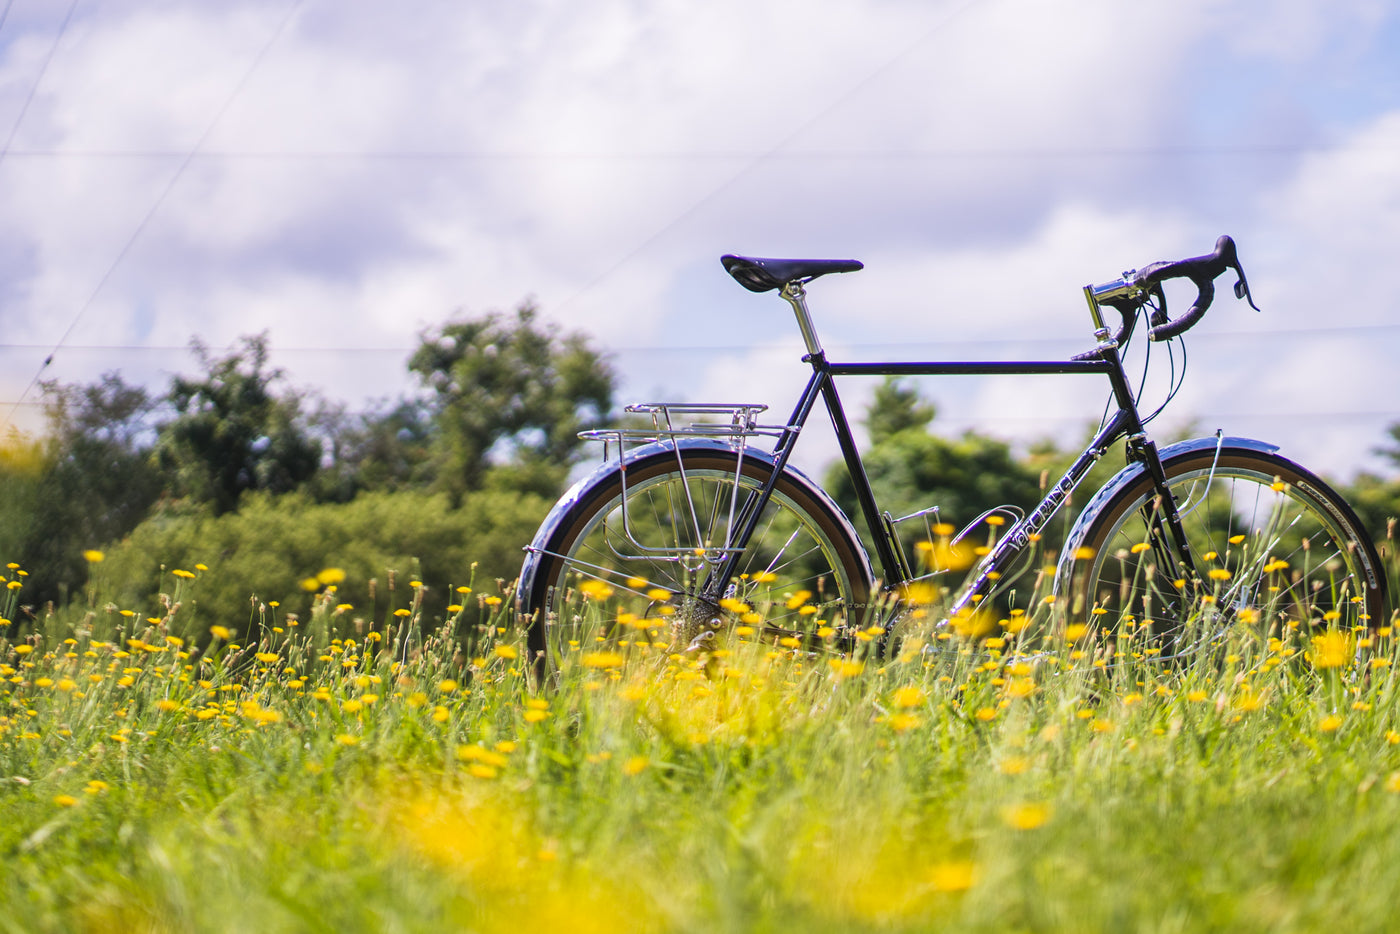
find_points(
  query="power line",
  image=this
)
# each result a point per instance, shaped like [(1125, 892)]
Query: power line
[(39, 78), (160, 199), (481, 155), (844, 347)]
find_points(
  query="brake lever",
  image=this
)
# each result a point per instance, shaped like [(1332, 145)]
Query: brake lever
[(1242, 284)]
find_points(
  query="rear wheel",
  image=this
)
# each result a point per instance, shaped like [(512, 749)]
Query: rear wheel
[(650, 538), (1269, 541)]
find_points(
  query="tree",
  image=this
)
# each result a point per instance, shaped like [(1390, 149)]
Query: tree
[(911, 469), (231, 432), (88, 481), (895, 408), (386, 449), (508, 391)]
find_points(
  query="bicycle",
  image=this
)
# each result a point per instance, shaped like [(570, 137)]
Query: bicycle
[(703, 530)]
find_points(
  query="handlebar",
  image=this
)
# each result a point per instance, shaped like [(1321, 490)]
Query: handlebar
[(1128, 293)]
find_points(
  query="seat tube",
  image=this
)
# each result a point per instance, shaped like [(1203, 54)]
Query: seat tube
[(796, 296)]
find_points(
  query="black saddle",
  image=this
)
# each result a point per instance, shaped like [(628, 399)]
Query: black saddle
[(762, 275)]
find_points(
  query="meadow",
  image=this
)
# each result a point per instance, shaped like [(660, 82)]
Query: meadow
[(340, 772)]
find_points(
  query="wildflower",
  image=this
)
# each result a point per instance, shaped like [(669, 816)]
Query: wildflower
[(447, 686), (635, 765), (1021, 687), (846, 668), (93, 556), (595, 590), (481, 755), (331, 576), (345, 739), (166, 704), (267, 658), (507, 652), (95, 787), (955, 876), (909, 696), (1075, 631), (1218, 574), (986, 714), (1026, 815), (900, 722), (1330, 723), (1330, 650), (65, 801), (1014, 765), (602, 660), (221, 632)]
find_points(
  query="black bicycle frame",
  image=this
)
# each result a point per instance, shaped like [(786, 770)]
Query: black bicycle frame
[(1125, 423)]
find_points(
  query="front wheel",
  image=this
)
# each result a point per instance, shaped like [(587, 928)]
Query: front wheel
[(650, 538), (1268, 542)]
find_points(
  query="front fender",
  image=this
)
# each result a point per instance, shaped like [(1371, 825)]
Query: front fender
[(1130, 474)]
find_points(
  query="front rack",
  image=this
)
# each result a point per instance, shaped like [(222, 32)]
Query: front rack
[(691, 542)]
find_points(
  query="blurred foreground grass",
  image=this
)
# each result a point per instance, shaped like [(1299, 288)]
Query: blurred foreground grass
[(343, 774)]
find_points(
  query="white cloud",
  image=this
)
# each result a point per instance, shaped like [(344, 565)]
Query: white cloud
[(385, 165)]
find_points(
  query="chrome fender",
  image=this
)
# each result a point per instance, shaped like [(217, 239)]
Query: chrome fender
[(607, 472), (1129, 474)]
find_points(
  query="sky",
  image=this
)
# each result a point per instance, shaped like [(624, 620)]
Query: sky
[(347, 174)]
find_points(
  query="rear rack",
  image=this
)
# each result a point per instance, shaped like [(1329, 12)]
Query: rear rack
[(670, 423)]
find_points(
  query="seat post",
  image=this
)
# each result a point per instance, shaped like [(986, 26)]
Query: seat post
[(796, 296)]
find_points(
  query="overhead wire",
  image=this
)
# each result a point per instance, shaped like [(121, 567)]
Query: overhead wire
[(159, 200), (39, 78)]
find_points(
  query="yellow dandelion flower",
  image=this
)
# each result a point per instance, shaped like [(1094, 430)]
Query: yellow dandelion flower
[(221, 632), (447, 686), (846, 668), (602, 660), (635, 765), (1027, 815), (93, 556), (65, 801), (909, 696), (346, 739), (954, 876), (1218, 574), (1330, 723), (901, 722), (1330, 650), (595, 590), (507, 652)]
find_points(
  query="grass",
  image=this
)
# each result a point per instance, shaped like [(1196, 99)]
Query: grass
[(345, 774)]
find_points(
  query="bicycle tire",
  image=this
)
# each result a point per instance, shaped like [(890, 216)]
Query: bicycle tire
[(803, 544), (1287, 548)]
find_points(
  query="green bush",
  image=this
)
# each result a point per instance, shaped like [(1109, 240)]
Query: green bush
[(226, 570)]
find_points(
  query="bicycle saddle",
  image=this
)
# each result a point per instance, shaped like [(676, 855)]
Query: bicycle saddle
[(762, 275)]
